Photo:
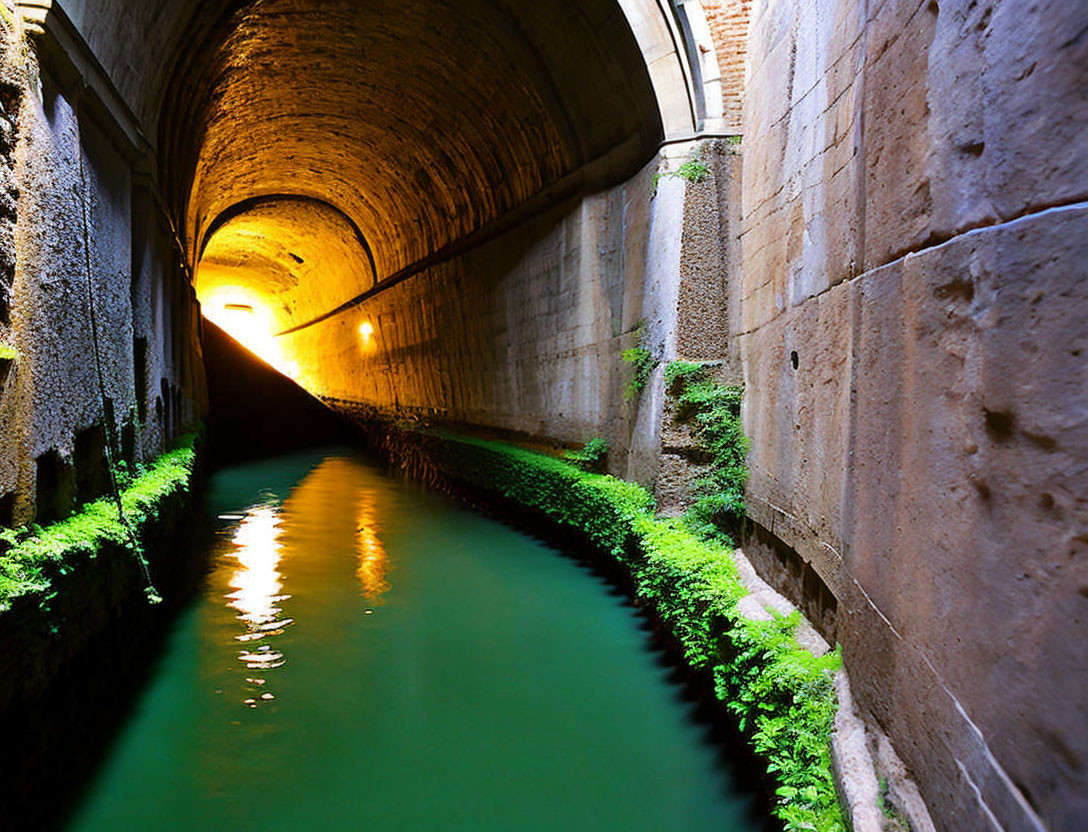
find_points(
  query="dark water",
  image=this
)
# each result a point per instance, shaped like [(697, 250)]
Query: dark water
[(370, 655)]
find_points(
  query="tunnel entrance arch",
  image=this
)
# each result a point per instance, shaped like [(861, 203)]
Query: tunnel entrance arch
[(431, 128)]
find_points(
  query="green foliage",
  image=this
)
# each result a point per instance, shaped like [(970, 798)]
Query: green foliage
[(682, 372), (643, 361), (8, 352), (35, 555), (787, 704), (782, 694), (895, 821), (713, 412), (593, 456), (694, 170), (125, 474)]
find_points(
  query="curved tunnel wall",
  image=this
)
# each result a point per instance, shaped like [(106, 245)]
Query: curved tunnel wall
[(499, 278), (434, 200), (303, 153)]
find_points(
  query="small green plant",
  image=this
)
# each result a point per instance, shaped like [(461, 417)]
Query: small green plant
[(643, 361), (882, 803), (593, 457), (713, 411), (896, 822), (694, 170), (8, 352), (681, 372)]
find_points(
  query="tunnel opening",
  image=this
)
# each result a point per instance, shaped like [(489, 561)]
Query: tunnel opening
[(490, 231), (388, 210), (316, 160)]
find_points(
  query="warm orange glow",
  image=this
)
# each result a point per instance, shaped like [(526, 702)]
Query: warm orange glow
[(373, 561), (366, 334), (242, 315)]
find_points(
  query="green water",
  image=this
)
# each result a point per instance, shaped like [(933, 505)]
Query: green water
[(368, 655)]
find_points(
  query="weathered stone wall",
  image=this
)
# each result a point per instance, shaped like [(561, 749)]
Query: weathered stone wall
[(522, 335), (912, 329), (905, 307), (134, 313)]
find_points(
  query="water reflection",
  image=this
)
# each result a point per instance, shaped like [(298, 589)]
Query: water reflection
[(373, 561), (257, 591), (489, 674)]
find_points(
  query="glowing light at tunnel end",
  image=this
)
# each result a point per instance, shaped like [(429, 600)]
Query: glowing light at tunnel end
[(249, 322)]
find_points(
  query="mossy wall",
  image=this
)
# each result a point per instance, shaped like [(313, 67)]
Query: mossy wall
[(61, 584)]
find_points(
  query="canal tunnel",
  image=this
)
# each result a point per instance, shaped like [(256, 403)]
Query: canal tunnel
[(535, 223), (407, 208), (396, 206)]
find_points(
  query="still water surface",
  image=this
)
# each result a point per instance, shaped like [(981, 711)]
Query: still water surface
[(371, 655)]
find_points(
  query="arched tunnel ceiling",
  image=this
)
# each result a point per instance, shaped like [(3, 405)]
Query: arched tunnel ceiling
[(415, 121), (302, 253)]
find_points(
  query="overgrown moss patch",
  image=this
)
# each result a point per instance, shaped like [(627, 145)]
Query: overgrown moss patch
[(592, 457), (713, 412), (782, 694), (35, 556)]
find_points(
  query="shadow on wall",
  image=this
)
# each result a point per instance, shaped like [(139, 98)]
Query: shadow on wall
[(255, 410)]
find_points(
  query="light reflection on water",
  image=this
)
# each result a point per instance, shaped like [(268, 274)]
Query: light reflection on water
[(256, 583), (490, 685), (257, 591), (373, 561)]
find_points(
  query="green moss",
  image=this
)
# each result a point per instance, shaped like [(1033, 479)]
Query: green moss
[(592, 457), (8, 352), (694, 170), (36, 555), (782, 694), (713, 412), (893, 820), (641, 359)]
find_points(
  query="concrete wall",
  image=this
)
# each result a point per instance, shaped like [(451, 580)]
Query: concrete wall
[(521, 335), (912, 330), (903, 294), (142, 326)]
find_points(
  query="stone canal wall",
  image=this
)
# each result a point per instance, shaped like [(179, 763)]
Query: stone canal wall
[(912, 335), (99, 323)]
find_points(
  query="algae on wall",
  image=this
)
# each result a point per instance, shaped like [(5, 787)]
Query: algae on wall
[(36, 556)]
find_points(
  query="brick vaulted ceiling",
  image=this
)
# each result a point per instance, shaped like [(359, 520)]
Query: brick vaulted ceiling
[(313, 149)]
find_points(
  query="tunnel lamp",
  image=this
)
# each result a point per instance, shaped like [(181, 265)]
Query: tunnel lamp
[(366, 331), (238, 307)]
